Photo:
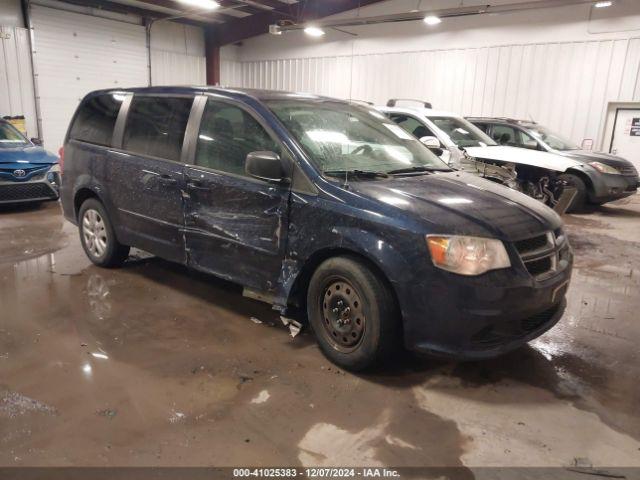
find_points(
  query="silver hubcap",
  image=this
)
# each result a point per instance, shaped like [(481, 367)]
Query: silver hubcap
[(94, 233)]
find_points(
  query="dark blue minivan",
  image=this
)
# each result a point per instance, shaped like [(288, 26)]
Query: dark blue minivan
[(317, 205)]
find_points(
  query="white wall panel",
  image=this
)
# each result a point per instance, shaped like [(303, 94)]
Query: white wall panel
[(16, 79), (75, 54), (177, 55), (563, 85)]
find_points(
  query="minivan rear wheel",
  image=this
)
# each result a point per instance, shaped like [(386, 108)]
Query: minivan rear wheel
[(353, 313), (98, 237)]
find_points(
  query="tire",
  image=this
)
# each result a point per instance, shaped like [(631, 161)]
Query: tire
[(353, 314), (98, 237), (580, 200)]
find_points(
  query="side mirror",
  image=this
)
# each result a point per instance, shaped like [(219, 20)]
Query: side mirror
[(431, 142), (37, 141), (265, 166)]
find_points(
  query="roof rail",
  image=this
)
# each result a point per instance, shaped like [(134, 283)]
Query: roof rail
[(394, 101), (361, 102)]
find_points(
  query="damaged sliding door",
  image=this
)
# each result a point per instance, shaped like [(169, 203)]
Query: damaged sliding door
[(235, 224)]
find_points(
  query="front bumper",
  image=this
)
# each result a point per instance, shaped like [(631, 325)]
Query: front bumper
[(607, 188), (36, 189), (485, 316)]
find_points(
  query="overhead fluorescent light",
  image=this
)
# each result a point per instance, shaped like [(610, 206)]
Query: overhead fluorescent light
[(314, 31), (603, 4), (205, 4), (432, 20)]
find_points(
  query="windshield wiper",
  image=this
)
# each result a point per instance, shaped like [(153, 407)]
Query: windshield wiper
[(415, 169), (355, 172)]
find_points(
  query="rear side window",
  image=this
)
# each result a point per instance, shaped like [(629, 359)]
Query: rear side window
[(96, 118), (156, 126)]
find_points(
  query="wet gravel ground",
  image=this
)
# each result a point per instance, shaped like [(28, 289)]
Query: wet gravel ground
[(153, 364)]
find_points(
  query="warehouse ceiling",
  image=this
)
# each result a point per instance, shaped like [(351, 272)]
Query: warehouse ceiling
[(231, 20)]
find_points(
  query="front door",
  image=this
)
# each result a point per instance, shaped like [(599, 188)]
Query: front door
[(626, 135), (147, 175), (235, 224)]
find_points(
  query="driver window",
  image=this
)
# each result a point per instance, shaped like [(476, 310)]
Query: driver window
[(504, 135), (227, 134), (411, 125), (527, 141)]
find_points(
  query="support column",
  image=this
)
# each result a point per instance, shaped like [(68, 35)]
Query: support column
[(212, 54)]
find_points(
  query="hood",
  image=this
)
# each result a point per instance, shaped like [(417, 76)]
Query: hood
[(464, 204), (20, 157), (586, 156), (524, 156)]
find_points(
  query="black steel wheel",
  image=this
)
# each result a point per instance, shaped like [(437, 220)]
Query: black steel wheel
[(353, 313)]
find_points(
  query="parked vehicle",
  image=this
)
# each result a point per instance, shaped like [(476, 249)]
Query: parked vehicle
[(600, 178), (312, 203), (464, 146), (28, 173)]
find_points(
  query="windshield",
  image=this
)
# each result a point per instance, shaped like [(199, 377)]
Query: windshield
[(553, 140), (462, 133), (10, 137), (341, 138)]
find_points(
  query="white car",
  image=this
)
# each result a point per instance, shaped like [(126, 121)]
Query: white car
[(464, 146)]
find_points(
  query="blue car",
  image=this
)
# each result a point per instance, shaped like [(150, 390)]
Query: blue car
[(28, 173), (321, 207)]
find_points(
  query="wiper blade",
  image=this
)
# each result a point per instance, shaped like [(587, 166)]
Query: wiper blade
[(355, 172), (414, 169)]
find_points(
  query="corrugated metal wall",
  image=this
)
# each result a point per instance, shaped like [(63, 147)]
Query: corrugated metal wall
[(563, 85), (177, 55), (16, 77)]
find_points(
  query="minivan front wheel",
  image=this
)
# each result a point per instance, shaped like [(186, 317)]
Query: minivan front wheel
[(352, 313), (98, 237)]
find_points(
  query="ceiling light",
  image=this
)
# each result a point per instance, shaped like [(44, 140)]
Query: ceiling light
[(314, 31), (603, 4), (206, 4), (432, 20)]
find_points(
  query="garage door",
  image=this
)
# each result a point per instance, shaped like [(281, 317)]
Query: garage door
[(77, 53)]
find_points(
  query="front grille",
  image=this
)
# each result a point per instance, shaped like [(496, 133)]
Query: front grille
[(538, 267), (531, 244), (25, 191), (541, 254), (627, 170), (509, 330)]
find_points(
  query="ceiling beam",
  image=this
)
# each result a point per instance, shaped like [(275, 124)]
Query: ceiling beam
[(258, 24)]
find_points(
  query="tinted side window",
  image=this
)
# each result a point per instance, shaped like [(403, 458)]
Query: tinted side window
[(504, 135), (96, 118), (411, 125), (156, 126), (482, 126), (227, 135)]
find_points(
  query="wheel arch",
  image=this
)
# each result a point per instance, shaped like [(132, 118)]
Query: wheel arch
[(82, 195), (298, 292), (584, 177)]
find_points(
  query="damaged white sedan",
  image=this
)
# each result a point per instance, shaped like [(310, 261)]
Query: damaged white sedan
[(464, 146)]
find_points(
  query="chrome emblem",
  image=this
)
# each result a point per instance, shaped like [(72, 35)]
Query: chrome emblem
[(19, 173)]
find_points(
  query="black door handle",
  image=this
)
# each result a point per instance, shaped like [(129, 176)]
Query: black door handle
[(167, 180)]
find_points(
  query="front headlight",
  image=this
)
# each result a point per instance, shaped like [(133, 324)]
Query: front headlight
[(602, 168), (55, 168), (467, 255)]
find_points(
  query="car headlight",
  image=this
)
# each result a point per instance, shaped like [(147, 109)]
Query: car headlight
[(467, 255), (602, 168), (55, 168)]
